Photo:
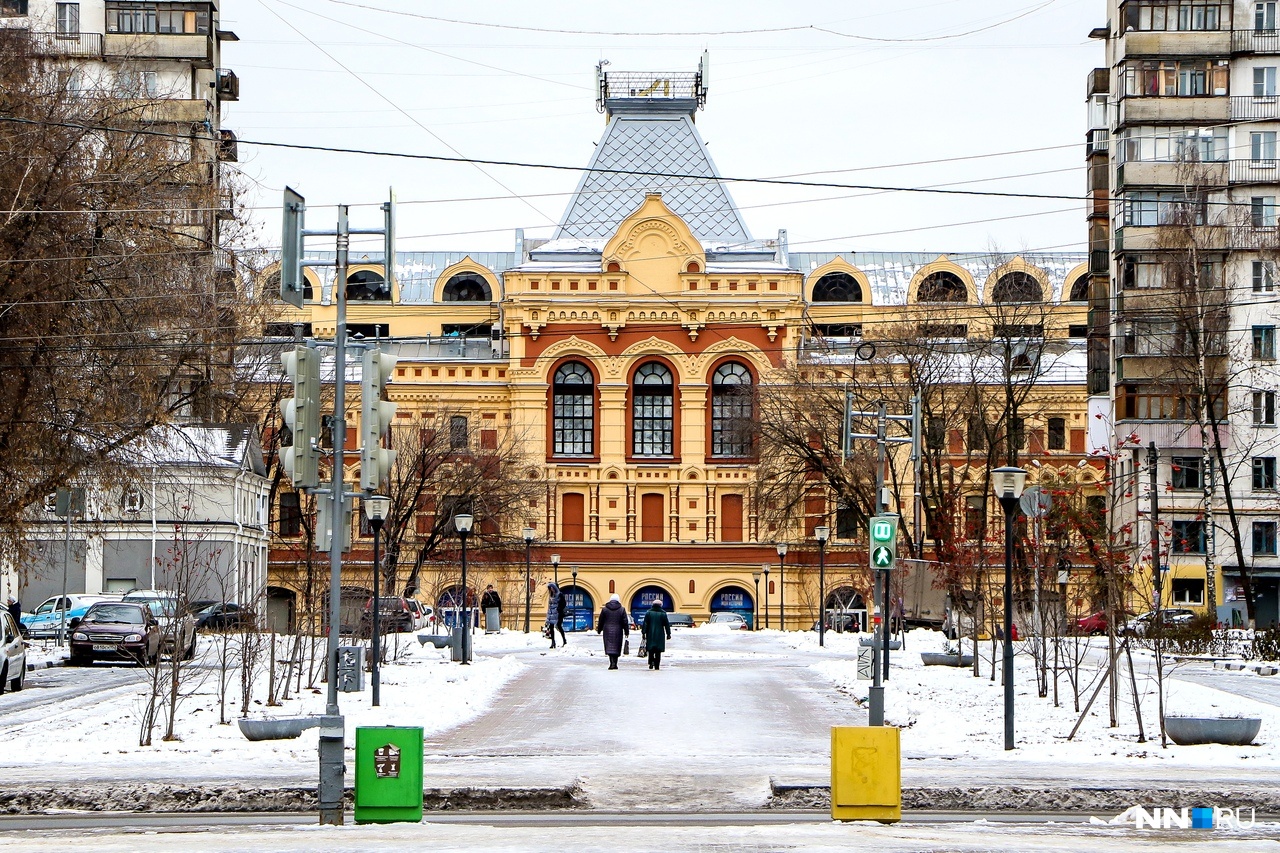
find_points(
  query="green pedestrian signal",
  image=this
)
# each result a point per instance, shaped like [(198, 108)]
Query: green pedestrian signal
[(884, 541)]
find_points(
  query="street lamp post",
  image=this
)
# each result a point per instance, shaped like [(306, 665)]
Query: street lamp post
[(1008, 483), (782, 586), (822, 534), (765, 569), (528, 581), (555, 568), (755, 603), (574, 620), (463, 522), (376, 509)]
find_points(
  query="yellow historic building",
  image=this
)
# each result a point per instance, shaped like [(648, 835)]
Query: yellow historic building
[(610, 371)]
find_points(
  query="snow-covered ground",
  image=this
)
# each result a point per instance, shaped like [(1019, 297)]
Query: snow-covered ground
[(98, 733), (945, 711)]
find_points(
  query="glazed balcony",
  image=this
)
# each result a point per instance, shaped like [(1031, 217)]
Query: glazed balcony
[(1174, 110)]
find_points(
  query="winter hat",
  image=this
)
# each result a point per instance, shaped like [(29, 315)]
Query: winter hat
[(615, 597)]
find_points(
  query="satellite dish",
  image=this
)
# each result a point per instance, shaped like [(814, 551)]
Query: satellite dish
[(1035, 502)]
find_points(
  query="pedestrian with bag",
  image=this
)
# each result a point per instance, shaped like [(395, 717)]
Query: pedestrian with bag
[(556, 605), (656, 630), (491, 603), (613, 626), (15, 610)]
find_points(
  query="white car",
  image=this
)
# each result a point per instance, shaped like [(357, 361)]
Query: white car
[(48, 618), (13, 654), (730, 621)]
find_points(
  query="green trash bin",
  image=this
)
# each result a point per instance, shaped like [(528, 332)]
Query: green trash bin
[(388, 774)]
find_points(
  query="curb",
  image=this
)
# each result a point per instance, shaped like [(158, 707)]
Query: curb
[(32, 666)]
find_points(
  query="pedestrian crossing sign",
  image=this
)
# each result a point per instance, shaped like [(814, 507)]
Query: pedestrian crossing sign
[(884, 541)]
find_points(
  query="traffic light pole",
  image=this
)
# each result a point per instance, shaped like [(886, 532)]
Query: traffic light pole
[(332, 727)]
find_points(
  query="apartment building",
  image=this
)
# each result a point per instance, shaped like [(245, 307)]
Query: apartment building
[(1184, 181)]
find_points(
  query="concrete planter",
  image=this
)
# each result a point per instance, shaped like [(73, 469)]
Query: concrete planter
[(284, 728), (944, 659), (1235, 731)]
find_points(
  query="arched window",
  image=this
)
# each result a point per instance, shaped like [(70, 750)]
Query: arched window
[(1017, 287), (837, 287), (1079, 290), (942, 287), (573, 415), (367, 285), (273, 286), (467, 287), (731, 410), (652, 423)]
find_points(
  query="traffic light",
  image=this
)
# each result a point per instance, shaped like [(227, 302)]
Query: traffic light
[(292, 281), (301, 413), (375, 419), (884, 542)]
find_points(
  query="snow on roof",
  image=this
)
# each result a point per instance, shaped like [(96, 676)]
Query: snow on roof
[(890, 273), (220, 446)]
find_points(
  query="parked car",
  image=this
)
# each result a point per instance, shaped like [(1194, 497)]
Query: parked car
[(394, 616), (1096, 623), (1139, 626), (224, 616), (680, 620), (733, 621), (177, 625), (47, 619), (423, 615), (13, 654), (200, 605), (842, 623), (115, 631)]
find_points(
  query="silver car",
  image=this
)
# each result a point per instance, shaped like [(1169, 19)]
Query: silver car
[(177, 625)]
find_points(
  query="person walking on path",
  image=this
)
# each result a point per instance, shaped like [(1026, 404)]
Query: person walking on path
[(492, 606), (556, 604), (15, 610), (656, 630), (613, 625)]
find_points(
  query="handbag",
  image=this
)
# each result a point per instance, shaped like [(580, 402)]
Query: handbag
[(547, 631), (626, 647), (643, 651)]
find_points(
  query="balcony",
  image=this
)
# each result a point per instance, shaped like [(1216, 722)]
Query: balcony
[(1254, 172), (228, 147), (1255, 237), (1099, 140), (1255, 41), (1171, 174), (228, 85), (198, 48), (1170, 43), (170, 110), (1212, 108), (66, 44), (1253, 108), (1171, 435)]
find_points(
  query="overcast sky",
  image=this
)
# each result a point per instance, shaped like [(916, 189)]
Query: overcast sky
[(787, 100)]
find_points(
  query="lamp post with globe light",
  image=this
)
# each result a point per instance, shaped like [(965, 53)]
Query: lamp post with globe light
[(528, 580), (782, 586), (822, 533), (463, 521), (1008, 483), (376, 509)]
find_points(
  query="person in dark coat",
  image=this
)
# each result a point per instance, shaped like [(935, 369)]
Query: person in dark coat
[(656, 630), (557, 603), (15, 610), (491, 604), (613, 625)]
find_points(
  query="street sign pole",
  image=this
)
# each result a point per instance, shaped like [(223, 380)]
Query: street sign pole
[(884, 537)]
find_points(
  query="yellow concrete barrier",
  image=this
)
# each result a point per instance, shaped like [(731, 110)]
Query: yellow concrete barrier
[(866, 773)]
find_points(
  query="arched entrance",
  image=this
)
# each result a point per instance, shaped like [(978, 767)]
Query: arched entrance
[(644, 598), (281, 610), (734, 599), (578, 609), (846, 610), (449, 607)]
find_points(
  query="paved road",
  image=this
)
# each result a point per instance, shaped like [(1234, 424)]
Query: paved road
[(65, 688), (704, 732)]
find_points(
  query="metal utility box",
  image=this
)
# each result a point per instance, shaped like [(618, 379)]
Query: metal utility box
[(388, 774), (866, 773), (351, 669)]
